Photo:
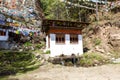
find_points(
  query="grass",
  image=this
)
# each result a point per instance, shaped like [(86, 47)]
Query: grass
[(47, 52), (12, 62), (38, 51), (27, 44), (3, 78), (97, 41), (92, 59), (115, 54), (39, 46)]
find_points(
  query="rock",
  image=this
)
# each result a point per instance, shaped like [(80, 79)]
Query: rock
[(32, 48), (116, 60), (96, 61), (20, 50), (46, 56), (99, 50), (115, 39), (95, 64), (112, 59), (108, 53)]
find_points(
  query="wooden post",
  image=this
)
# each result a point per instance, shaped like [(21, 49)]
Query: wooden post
[(106, 4), (97, 16), (79, 13)]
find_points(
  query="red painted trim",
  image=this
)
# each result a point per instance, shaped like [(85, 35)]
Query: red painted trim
[(65, 31)]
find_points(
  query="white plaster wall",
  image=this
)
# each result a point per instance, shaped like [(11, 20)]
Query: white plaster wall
[(67, 48), (4, 38)]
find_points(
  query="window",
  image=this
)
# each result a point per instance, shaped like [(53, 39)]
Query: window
[(73, 38), (2, 33), (60, 38)]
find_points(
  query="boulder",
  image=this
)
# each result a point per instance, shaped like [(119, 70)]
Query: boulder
[(115, 39)]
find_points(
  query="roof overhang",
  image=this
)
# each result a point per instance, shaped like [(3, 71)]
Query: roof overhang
[(47, 24)]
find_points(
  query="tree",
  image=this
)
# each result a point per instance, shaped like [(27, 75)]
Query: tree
[(56, 9), (53, 9)]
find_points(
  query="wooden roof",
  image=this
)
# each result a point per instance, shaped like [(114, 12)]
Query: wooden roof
[(47, 23)]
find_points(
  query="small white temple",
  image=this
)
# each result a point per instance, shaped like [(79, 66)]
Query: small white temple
[(63, 37)]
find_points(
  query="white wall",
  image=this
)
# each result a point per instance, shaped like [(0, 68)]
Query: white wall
[(67, 48), (4, 38)]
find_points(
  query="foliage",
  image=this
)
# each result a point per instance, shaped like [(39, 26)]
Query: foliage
[(27, 44), (47, 52), (97, 41), (92, 59), (115, 54), (39, 46), (13, 62), (55, 9)]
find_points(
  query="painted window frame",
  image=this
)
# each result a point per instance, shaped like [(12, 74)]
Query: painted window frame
[(74, 39), (60, 39), (2, 33)]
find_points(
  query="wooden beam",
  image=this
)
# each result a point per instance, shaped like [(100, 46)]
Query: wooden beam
[(64, 31)]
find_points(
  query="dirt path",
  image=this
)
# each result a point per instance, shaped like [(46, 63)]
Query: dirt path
[(57, 72)]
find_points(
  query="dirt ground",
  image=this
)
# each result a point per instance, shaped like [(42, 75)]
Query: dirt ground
[(57, 72)]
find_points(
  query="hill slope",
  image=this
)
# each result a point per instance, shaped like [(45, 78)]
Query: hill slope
[(103, 36)]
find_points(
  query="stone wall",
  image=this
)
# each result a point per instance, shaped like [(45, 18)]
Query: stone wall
[(4, 45)]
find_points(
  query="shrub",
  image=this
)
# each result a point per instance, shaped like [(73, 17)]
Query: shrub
[(12, 62), (115, 54), (47, 52), (92, 59), (27, 44), (39, 46)]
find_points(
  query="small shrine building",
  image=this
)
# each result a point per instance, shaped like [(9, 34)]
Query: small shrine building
[(63, 37)]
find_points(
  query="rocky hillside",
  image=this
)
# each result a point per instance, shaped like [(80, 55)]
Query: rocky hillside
[(24, 17), (24, 12), (104, 36)]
